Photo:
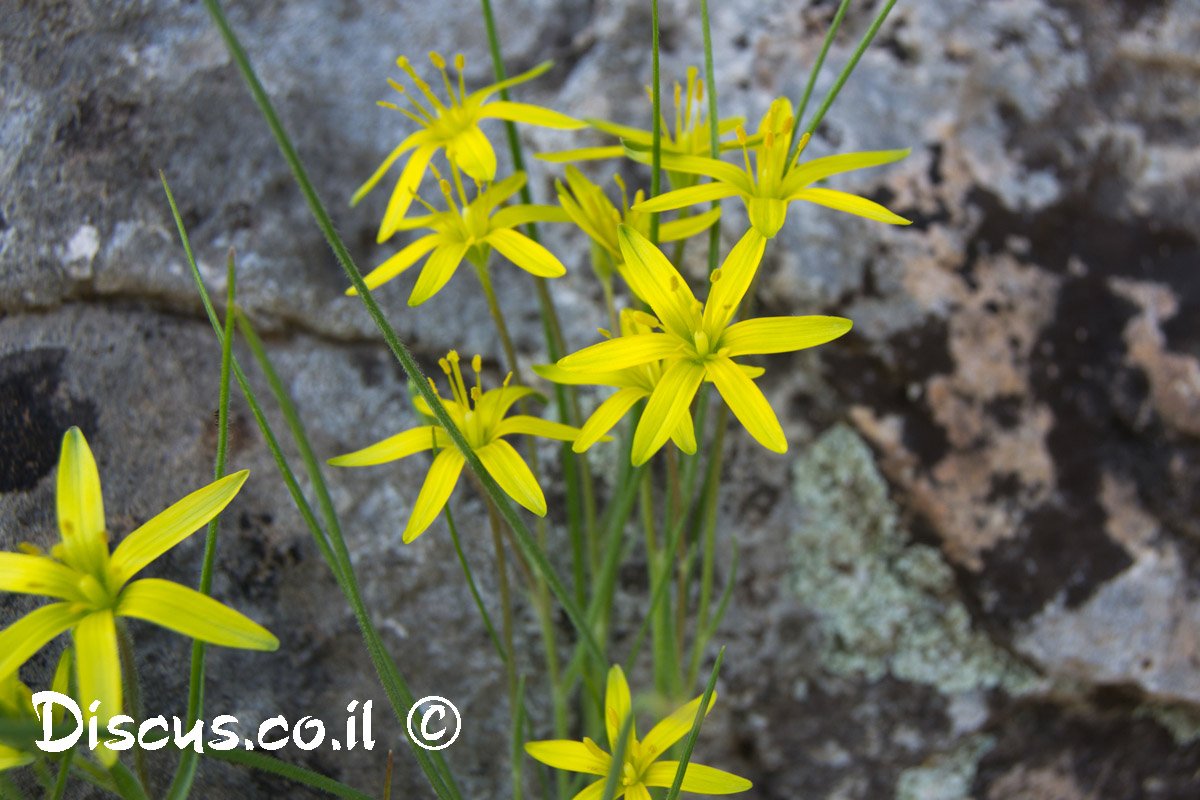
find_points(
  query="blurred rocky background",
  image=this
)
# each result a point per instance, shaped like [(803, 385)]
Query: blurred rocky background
[(976, 572)]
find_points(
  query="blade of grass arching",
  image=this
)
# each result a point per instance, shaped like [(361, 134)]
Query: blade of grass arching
[(185, 772), (863, 44), (690, 742), (393, 683), (525, 541), (656, 130), (265, 763), (613, 780), (812, 79), (312, 467)]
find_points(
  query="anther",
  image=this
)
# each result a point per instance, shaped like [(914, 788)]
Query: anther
[(674, 284), (438, 61), (604, 332), (459, 62), (740, 132), (477, 363), (715, 276), (445, 365)]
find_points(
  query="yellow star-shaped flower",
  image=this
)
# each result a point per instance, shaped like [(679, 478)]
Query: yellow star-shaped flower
[(641, 767), (700, 342), (454, 126), (93, 585), (471, 232), (768, 186), (480, 417)]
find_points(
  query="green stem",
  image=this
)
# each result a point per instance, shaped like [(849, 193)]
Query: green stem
[(656, 101), (126, 785), (133, 693), (863, 44), (265, 763), (712, 483), (64, 769), (812, 79), (185, 772), (694, 733)]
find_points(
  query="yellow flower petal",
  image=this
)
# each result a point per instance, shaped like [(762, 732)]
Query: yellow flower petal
[(850, 203), (684, 435), (736, 275), (594, 791), (617, 706), (767, 214), (782, 334), (621, 353), (481, 95), (80, 506), (437, 270), (747, 404), (582, 154), (672, 729), (10, 758), (535, 426), (509, 470), (569, 755), (704, 193), (473, 153), (172, 526), (698, 778), (637, 791), (193, 614), (809, 172), (439, 483), (402, 195), (410, 141), (689, 226), (495, 403), (38, 575), (654, 278), (698, 165), (530, 114), (395, 447), (606, 415), (515, 216), (500, 191), (525, 253), (621, 131), (401, 261), (27, 635), (667, 405), (98, 666), (556, 374)]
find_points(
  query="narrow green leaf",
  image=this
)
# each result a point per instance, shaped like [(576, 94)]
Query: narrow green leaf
[(690, 742)]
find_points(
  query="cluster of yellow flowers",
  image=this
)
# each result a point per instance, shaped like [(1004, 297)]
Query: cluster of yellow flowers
[(663, 350)]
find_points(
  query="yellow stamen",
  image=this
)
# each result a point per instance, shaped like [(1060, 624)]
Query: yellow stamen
[(605, 333)]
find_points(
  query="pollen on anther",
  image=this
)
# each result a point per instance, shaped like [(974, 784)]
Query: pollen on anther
[(438, 61), (477, 363), (604, 332), (459, 62)]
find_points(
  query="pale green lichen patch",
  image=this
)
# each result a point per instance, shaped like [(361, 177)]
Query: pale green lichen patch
[(1181, 721), (946, 776), (886, 606)]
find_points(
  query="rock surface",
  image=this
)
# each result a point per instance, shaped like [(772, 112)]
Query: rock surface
[(974, 575)]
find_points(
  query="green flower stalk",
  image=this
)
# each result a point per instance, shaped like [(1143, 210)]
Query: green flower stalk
[(93, 585), (470, 232), (453, 126), (771, 183), (700, 342), (641, 767)]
